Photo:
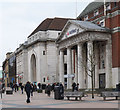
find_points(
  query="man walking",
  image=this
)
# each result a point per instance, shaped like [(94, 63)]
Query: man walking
[(22, 88), (28, 90), (73, 86)]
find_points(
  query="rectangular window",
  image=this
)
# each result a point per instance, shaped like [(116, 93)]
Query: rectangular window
[(43, 79), (96, 12), (43, 52), (115, 4), (108, 7), (102, 23), (65, 69), (86, 17), (102, 55), (58, 33), (65, 52)]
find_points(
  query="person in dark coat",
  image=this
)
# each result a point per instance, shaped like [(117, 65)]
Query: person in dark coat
[(28, 91), (73, 86), (39, 85), (22, 88), (15, 86), (77, 87), (49, 90)]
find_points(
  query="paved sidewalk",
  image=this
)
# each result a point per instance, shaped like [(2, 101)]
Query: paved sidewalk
[(41, 100)]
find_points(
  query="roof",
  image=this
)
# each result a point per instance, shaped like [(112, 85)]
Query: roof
[(85, 25), (88, 25), (92, 6), (51, 24)]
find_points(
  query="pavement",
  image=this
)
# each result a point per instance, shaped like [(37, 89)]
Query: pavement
[(41, 100)]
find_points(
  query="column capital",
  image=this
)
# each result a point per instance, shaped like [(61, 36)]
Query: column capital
[(61, 50), (80, 43), (68, 47), (90, 41)]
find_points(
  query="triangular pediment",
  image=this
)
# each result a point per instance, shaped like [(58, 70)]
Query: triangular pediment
[(74, 27), (70, 30)]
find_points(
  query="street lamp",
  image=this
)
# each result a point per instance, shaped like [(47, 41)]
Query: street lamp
[(1, 87)]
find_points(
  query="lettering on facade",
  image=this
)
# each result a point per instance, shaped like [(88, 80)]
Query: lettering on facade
[(72, 32)]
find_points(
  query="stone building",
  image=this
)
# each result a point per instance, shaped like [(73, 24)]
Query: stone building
[(36, 59), (78, 42)]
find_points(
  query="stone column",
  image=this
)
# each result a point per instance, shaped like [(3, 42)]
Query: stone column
[(89, 62), (108, 66), (69, 68), (96, 66), (76, 68), (61, 70), (80, 66)]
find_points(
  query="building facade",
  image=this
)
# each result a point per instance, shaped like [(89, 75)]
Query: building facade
[(9, 69), (36, 59), (67, 51), (107, 15), (85, 43)]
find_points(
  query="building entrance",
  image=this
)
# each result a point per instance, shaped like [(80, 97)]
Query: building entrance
[(102, 81), (33, 68)]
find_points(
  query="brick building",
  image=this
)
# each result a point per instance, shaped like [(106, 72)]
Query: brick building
[(107, 15)]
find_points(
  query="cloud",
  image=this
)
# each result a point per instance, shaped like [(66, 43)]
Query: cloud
[(18, 19), (46, 1)]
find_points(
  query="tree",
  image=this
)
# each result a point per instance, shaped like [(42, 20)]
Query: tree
[(89, 63)]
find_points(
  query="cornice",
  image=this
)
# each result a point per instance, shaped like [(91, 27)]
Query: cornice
[(84, 37)]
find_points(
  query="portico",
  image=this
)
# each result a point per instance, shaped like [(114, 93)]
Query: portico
[(86, 50)]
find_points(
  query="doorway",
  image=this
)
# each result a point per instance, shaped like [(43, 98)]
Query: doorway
[(33, 68), (102, 81)]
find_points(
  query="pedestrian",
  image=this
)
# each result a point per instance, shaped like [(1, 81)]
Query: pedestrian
[(22, 88), (32, 89), (15, 86), (73, 86), (39, 85), (49, 90), (77, 87), (53, 86), (28, 90)]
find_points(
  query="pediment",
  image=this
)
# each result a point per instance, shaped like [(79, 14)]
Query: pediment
[(70, 30)]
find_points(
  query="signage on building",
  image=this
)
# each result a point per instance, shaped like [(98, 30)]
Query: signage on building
[(69, 76), (72, 32)]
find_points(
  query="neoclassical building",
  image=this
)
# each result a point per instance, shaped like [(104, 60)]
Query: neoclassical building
[(84, 45), (36, 59)]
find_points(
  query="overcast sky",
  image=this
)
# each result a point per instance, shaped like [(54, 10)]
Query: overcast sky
[(18, 18)]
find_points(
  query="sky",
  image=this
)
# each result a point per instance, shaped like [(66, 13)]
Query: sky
[(18, 18)]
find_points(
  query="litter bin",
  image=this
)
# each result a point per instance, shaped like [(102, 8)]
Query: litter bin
[(58, 95), (118, 87), (43, 86)]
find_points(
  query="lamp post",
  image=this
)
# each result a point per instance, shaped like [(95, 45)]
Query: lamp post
[(1, 87)]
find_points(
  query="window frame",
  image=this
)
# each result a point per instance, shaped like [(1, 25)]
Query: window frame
[(96, 12)]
